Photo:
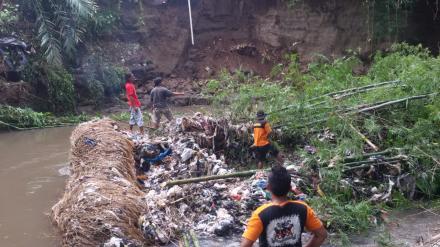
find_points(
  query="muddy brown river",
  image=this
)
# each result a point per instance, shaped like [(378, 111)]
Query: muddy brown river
[(30, 183), (32, 179)]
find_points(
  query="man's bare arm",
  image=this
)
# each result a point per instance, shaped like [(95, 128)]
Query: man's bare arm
[(319, 235), (178, 93), (246, 242)]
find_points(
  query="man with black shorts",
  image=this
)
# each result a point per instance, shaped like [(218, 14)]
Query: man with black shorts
[(262, 145)]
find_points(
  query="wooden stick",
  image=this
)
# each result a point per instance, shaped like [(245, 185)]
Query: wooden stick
[(213, 177)]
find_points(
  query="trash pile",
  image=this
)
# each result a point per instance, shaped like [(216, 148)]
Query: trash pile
[(102, 199), (199, 147)]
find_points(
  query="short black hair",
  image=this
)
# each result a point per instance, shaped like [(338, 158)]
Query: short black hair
[(157, 81), (279, 181), (128, 76)]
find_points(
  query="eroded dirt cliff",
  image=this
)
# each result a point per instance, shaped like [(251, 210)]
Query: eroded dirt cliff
[(154, 36)]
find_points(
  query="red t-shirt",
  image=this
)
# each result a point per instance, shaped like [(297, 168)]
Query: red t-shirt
[(132, 97)]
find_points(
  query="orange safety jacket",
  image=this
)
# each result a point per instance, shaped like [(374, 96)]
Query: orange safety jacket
[(261, 133)]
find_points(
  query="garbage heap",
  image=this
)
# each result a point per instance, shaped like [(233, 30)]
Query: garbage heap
[(201, 146), (102, 199)]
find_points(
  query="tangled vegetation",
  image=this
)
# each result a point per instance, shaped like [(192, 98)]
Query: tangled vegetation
[(347, 116), (25, 118)]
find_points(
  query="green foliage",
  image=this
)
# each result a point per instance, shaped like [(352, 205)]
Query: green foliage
[(345, 216), (59, 25), (307, 111), (53, 85), (212, 86), (122, 117), (14, 117), (8, 17), (60, 90), (104, 80), (104, 22)]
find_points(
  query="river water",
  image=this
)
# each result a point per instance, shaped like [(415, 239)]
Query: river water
[(30, 183)]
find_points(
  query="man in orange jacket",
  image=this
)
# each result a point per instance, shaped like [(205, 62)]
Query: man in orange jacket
[(262, 145)]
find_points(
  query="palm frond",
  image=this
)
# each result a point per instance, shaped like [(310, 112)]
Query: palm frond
[(48, 37), (84, 8)]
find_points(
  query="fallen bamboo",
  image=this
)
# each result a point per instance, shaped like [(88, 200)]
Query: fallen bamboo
[(370, 164), (195, 240), (393, 102), (213, 177), (366, 108), (398, 158), (356, 89), (347, 92), (364, 138), (362, 157)]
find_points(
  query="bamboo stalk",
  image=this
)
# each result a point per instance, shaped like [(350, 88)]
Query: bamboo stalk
[(365, 108), (213, 177), (194, 238), (367, 165), (186, 240), (361, 157), (355, 89), (393, 102), (371, 144), (396, 158)]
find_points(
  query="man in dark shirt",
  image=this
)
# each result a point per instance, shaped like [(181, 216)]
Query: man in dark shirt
[(158, 97), (281, 222)]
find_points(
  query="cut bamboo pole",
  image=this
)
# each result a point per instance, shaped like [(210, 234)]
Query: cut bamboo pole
[(213, 177), (366, 108), (396, 158), (375, 85), (195, 240), (370, 143), (368, 165), (393, 102)]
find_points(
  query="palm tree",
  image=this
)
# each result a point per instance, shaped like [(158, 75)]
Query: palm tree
[(60, 25)]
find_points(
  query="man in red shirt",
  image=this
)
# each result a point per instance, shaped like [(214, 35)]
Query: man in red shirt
[(134, 103)]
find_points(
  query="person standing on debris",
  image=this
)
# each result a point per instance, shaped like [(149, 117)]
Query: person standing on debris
[(262, 145), (282, 221), (134, 103), (158, 97)]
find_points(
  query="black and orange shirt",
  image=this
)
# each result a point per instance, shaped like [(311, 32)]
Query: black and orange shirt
[(261, 132), (281, 225)]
